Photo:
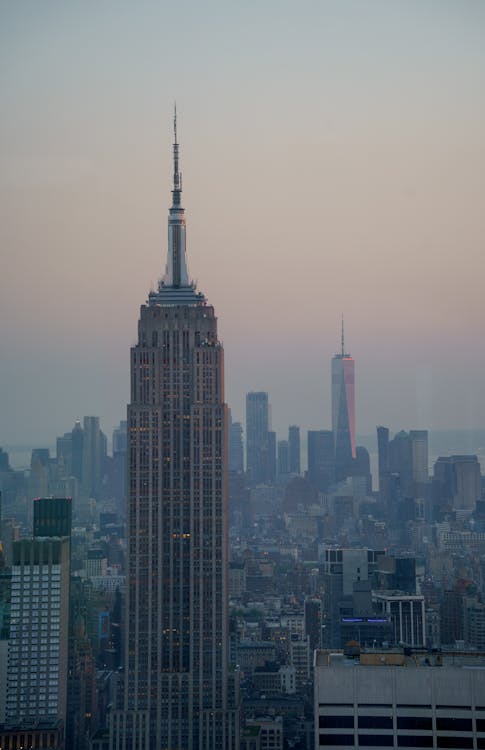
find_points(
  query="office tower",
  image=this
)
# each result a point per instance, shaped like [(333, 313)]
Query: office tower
[(120, 436), (294, 449), (419, 462), (419, 455), (342, 569), (117, 476), (64, 452), (283, 458), (408, 457), (343, 410), (361, 467), (388, 698), (270, 459), (77, 438), (236, 450), (36, 690), (260, 442), (94, 451), (457, 482), (39, 473), (383, 459), (321, 459), (52, 516), (177, 690)]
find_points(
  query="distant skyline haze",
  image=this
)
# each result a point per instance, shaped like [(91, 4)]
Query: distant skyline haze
[(333, 160)]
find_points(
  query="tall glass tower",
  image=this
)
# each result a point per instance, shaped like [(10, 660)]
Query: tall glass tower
[(178, 693), (343, 410)]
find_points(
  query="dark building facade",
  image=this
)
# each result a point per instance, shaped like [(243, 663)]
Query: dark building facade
[(321, 459), (260, 441), (52, 516), (294, 449)]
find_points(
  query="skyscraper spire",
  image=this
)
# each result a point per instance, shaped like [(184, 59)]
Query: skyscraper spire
[(177, 176), (342, 337), (175, 287)]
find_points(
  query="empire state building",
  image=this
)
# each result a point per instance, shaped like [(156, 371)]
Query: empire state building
[(178, 691)]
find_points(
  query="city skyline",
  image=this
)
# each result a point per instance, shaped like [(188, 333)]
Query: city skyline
[(329, 170)]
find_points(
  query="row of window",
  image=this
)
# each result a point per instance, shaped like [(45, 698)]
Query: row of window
[(17, 572), (387, 740), (448, 723)]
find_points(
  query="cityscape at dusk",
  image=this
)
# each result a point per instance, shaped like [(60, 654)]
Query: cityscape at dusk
[(242, 412)]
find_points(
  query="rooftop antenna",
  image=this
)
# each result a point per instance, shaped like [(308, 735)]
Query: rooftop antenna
[(177, 177), (342, 337)]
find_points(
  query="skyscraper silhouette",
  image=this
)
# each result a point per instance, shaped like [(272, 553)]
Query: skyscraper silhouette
[(294, 448), (176, 690), (343, 411), (260, 441)]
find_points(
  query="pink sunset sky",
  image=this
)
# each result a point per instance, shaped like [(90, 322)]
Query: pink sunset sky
[(333, 162)]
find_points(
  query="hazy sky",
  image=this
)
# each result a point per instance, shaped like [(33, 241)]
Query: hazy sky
[(333, 161)]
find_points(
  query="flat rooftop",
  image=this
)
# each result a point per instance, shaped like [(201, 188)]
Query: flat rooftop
[(400, 657)]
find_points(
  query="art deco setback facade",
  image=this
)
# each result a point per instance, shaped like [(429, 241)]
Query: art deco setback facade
[(177, 693)]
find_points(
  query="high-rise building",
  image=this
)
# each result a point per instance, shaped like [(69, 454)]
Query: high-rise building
[(94, 450), (383, 463), (408, 457), (120, 438), (40, 464), (236, 449), (294, 449), (270, 459), (64, 452), (52, 516), (117, 478), (457, 481), (283, 458), (321, 459), (342, 570), (343, 410), (260, 442), (383, 451), (77, 439), (419, 459), (178, 693), (36, 687)]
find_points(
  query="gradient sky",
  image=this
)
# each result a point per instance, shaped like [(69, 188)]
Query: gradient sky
[(333, 161)]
